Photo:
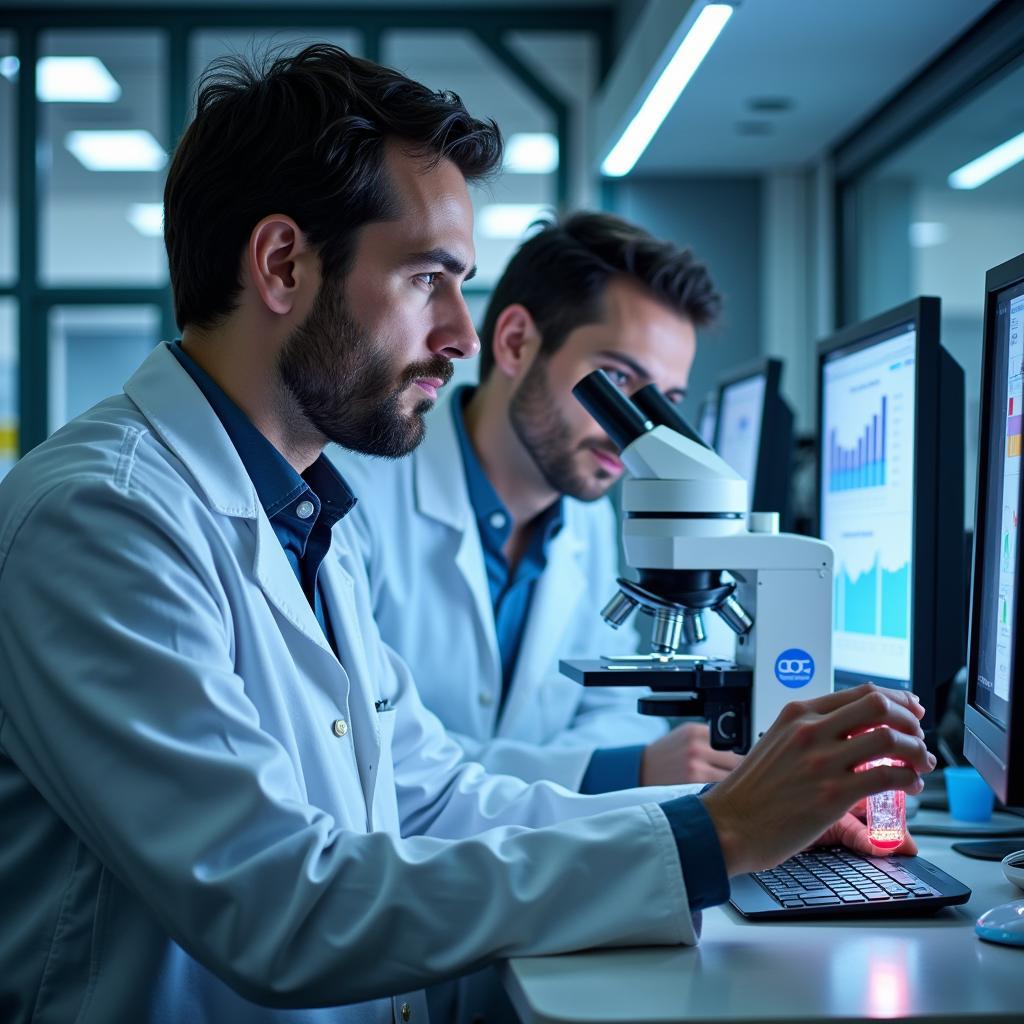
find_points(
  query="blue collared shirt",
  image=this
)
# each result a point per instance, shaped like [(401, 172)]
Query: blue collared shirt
[(511, 589), (302, 509), (511, 592)]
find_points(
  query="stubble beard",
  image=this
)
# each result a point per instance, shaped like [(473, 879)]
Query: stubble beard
[(341, 380), (547, 437)]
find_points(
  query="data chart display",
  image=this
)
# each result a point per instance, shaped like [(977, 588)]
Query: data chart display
[(867, 486)]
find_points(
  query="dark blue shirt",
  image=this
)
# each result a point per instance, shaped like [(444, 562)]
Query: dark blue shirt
[(302, 509), (511, 589)]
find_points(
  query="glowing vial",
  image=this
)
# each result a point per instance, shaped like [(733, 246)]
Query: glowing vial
[(887, 813)]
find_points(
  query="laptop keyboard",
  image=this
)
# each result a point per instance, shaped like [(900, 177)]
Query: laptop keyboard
[(835, 876)]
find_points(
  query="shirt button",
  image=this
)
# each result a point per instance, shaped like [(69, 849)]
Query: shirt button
[(304, 509), (498, 520), (406, 1013), (486, 700), (340, 727)]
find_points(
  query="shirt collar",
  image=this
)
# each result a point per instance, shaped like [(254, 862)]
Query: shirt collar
[(492, 516), (276, 481)]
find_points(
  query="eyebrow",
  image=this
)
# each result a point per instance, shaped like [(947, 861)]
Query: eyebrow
[(637, 369), (450, 262), (626, 361)]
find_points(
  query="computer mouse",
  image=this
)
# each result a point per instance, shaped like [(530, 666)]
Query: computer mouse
[(1013, 868), (1004, 924)]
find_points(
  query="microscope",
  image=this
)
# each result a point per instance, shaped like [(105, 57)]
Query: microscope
[(695, 550)]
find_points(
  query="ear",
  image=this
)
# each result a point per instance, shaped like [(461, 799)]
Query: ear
[(278, 263), (516, 341)]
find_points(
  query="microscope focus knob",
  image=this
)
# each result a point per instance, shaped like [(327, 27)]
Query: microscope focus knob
[(763, 522)]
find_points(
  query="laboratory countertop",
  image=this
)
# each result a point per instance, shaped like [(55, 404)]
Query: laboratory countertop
[(931, 969)]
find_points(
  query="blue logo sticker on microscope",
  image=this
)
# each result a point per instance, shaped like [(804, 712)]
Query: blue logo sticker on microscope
[(794, 668)]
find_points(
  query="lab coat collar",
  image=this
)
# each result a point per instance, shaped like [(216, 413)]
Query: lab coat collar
[(440, 479), (181, 416)]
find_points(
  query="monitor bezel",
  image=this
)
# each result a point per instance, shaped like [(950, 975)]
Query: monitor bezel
[(771, 412), (996, 752), (709, 399), (924, 312)]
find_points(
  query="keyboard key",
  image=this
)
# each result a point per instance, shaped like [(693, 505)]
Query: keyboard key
[(822, 901)]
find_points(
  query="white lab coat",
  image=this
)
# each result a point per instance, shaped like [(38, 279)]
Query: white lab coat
[(203, 809), (429, 584)]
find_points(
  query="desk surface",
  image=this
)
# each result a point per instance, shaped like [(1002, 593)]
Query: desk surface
[(924, 969)]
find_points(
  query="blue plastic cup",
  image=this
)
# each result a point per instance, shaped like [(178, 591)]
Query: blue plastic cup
[(970, 798)]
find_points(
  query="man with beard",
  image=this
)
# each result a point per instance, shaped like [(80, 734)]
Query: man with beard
[(505, 501), (222, 799)]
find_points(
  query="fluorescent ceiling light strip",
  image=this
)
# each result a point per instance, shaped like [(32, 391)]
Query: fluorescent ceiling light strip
[(989, 164), (75, 80), (134, 150), (662, 97)]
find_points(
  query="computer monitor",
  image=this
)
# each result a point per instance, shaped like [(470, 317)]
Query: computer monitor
[(707, 418), (890, 479), (755, 434), (994, 712)]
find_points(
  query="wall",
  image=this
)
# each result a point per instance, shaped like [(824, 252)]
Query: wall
[(720, 219)]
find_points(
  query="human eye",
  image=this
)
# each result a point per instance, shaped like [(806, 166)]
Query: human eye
[(428, 280), (620, 378)]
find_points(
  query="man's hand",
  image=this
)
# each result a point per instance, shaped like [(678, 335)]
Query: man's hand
[(799, 781), (850, 831), (685, 755)]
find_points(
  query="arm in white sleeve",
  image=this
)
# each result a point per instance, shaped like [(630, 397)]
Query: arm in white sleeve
[(122, 705)]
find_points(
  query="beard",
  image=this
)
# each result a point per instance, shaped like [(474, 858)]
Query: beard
[(547, 436), (342, 381)]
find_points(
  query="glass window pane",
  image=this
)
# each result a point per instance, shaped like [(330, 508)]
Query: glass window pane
[(8, 147), (918, 231), (212, 43), (8, 384), (103, 159), (504, 207), (93, 351)]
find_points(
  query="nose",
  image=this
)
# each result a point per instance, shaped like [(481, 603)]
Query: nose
[(455, 336)]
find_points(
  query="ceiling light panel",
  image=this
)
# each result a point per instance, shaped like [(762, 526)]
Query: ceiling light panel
[(509, 220), (531, 153), (75, 80), (147, 218), (134, 150)]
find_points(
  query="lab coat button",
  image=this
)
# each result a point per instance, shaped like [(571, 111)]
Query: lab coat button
[(340, 727), (406, 1013), (486, 700), (304, 509), (498, 520)]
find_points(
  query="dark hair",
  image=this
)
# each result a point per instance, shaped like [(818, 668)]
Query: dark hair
[(303, 135), (560, 275)]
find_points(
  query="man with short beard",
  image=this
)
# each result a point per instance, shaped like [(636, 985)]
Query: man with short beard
[(222, 799), (506, 501)]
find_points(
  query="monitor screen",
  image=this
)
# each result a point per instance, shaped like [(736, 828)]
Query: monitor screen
[(739, 426), (1001, 508), (867, 475)]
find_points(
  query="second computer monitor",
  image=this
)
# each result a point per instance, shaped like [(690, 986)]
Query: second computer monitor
[(754, 434), (994, 715), (890, 500)]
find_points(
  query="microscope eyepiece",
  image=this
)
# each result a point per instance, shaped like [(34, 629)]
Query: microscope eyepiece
[(663, 413), (622, 421)]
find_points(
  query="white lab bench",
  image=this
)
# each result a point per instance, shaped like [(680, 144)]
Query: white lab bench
[(931, 969)]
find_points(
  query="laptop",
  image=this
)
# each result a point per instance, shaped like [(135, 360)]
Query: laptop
[(836, 882)]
